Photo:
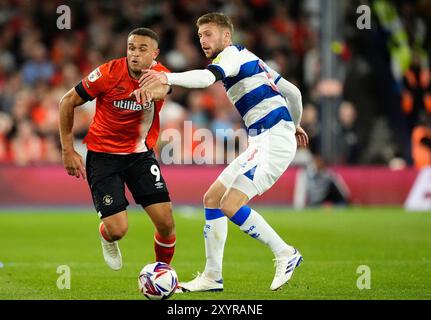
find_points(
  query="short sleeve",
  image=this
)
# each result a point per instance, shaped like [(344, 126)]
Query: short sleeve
[(160, 68), (94, 84), (227, 62)]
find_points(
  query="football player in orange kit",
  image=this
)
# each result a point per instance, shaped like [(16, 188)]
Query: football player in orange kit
[(120, 145)]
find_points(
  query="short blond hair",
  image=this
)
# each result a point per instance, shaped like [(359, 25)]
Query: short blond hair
[(218, 18)]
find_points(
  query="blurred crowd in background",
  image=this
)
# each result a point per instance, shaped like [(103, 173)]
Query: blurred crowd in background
[(384, 91)]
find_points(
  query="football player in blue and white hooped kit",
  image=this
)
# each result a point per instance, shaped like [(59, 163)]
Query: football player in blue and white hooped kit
[(271, 108)]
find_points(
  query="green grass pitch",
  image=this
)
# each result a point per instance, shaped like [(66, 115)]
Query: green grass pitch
[(394, 244)]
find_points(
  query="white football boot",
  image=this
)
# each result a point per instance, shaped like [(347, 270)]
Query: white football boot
[(284, 268), (199, 284), (111, 253)]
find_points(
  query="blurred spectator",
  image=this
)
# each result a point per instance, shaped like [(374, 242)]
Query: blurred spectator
[(51, 154), (416, 95), (347, 134), (5, 129), (26, 146), (318, 185), (38, 68), (310, 123), (199, 114), (8, 93), (421, 142)]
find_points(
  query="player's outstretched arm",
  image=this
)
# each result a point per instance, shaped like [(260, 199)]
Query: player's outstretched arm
[(189, 79), (154, 91), (159, 92), (72, 161)]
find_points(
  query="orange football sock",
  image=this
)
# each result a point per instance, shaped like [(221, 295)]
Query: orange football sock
[(164, 247)]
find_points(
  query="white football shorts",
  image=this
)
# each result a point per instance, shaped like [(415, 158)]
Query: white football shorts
[(267, 157)]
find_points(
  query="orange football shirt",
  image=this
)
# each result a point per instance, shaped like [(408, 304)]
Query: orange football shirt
[(120, 124)]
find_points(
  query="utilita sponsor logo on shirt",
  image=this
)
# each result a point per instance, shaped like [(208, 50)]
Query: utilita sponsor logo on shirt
[(133, 105)]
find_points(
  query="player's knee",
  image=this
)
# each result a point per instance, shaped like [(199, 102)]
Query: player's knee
[(118, 232), (211, 200), (166, 229)]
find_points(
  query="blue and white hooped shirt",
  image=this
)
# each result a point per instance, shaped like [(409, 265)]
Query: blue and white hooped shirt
[(251, 86)]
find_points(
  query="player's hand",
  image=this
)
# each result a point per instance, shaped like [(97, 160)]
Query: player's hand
[(301, 137), (150, 77), (73, 164), (142, 95)]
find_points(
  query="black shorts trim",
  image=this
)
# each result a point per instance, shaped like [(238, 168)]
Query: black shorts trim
[(146, 201), (111, 211)]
